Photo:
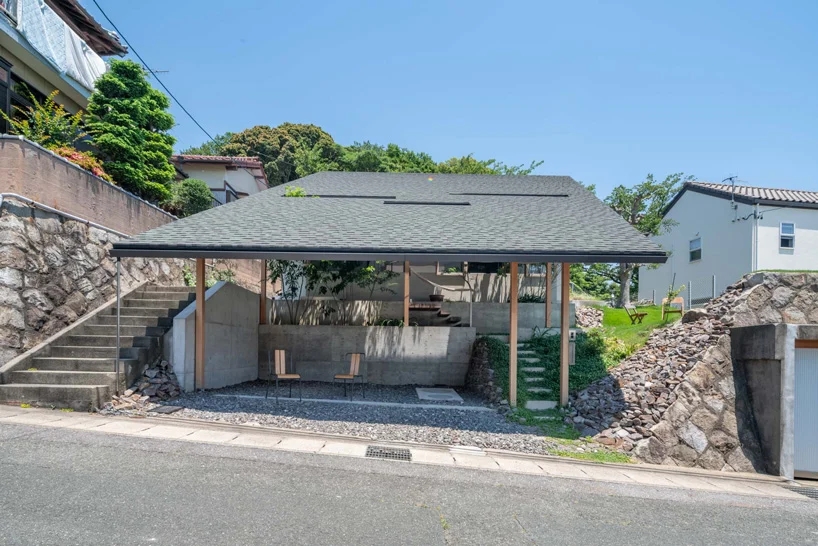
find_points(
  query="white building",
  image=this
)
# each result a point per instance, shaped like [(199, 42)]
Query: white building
[(48, 45), (229, 178), (722, 232)]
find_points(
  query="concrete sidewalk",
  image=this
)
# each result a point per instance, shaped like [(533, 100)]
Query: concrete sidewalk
[(170, 428)]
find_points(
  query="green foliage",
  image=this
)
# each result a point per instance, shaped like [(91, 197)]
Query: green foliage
[(642, 206), (211, 147), (129, 123), (46, 123), (589, 365), (294, 191), (83, 159), (599, 455), (531, 298), (294, 150), (189, 197), (215, 275)]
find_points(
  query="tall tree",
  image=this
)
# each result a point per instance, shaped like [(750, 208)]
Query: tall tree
[(129, 122), (211, 147), (642, 206)]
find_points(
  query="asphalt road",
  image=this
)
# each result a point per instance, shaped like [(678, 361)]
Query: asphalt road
[(75, 487)]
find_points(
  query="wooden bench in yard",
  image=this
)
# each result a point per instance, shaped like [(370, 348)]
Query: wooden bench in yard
[(635, 316)]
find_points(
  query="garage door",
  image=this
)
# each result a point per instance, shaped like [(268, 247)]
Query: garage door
[(806, 411)]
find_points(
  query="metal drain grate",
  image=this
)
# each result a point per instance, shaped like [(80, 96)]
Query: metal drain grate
[(811, 492), (392, 453)]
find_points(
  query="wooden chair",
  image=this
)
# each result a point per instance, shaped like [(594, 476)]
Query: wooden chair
[(668, 309), (354, 372), (635, 316), (277, 370)]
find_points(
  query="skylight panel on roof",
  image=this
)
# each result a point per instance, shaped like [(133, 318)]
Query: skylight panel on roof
[(491, 194), (341, 196), (431, 203)]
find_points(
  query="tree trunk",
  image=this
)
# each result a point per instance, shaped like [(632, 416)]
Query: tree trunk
[(625, 274)]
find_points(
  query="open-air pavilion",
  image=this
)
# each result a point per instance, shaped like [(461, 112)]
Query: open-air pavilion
[(420, 218)]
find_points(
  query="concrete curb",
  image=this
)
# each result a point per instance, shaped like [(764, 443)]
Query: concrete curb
[(225, 434)]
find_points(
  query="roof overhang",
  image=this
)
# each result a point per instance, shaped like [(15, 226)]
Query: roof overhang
[(414, 217), (103, 42), (738, 198)]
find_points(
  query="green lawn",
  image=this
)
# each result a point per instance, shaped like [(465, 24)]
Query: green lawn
[(615, 323)]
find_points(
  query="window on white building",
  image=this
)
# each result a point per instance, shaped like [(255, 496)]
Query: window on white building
[(696, 249), (787, 235)]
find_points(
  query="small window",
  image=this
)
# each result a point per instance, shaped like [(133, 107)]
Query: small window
[(787, 235), (696, 249)]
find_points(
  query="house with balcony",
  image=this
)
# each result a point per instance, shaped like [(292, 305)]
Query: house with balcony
[(229, 178), (47, 45)]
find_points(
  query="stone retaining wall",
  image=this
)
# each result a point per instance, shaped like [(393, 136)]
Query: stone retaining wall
[(679, 400), (53, 271)]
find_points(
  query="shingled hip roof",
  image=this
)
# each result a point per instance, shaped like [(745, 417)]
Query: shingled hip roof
[(396, 216)]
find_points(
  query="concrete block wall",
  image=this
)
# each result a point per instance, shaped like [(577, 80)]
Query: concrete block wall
[(231, 338), (394, 356), (488, 317)]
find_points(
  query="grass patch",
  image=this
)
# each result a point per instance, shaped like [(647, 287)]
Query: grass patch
[(599, 455), (615, 323)]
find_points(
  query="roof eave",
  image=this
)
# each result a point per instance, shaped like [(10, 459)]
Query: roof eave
[(124, 250)]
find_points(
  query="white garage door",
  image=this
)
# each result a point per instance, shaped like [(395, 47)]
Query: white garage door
[(806, 411)]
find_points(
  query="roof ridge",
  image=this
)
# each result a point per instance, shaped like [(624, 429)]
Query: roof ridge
[(706, 184)]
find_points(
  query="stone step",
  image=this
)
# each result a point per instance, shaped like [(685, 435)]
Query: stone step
[(532, 369), (540, 405), (110, 320), (538, 390), (76, 397), (526, 352), (110, 341), (54, 377), (156, 288), (143, 312), (453, 319), (80, 364), (73, 351), (124, 330), (154, 303), (546, 418), (533, 379), (528, 360), (173, 296)]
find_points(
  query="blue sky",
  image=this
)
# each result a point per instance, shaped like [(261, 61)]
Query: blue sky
[(601, 92)]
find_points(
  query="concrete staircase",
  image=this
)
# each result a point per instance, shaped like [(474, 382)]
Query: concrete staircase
[(538, 395), (77, 370)]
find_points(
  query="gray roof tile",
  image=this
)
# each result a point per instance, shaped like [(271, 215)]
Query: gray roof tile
[(569, 222)]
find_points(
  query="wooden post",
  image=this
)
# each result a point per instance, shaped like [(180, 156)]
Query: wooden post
[(549, 300), (406, 294), (198, 371), (512, 338), (262, 302), (565, 311)]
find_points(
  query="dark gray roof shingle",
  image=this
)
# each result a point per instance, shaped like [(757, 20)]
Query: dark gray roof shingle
[(567, 224)]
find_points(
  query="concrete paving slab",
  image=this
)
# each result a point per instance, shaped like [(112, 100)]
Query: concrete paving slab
[(475, 461), (605, 474), (8, 411), (32, 418), (70, 420), (518, 465), (167, 432), (539, 405), (773, 490), (649, 478), (212, 436), (85, 423), (431, 456), (694, 482), (256, 440), (124, 427), (343, 448), (562, 470), (296, 443)]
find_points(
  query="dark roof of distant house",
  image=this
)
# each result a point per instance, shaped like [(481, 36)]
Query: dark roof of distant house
[(104, 42), (401, 216), (252, 164), (751, 195)]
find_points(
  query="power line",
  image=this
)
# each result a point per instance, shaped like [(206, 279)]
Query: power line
[(148, 68), (168, 91)]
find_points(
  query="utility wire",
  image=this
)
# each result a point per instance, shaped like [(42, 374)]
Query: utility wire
[(168, 91)]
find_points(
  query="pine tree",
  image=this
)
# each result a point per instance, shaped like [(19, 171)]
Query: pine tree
[(128, 121)]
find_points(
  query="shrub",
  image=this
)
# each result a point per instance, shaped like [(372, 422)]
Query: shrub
[(84, 160), (189, 197), (46, 123)]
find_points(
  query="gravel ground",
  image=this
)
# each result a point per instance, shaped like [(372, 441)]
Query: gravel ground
[(402, 394), (446, 426)]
